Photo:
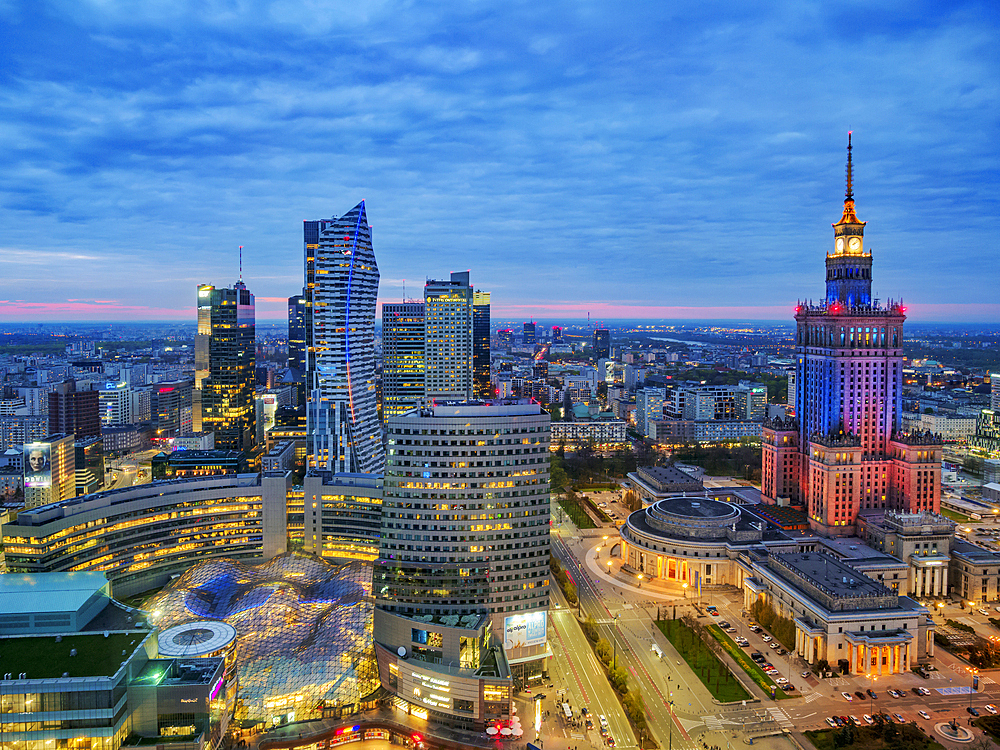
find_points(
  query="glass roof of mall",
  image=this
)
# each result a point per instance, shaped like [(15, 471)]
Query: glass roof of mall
[(303, 625)]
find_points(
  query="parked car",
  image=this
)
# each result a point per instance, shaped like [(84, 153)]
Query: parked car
[(831, 722), (806, 673), (855, 721), (871, 693), (899, 718), (991, 708), (984, 612), (860, 695), (868, 719), (765, 638), (788, 687), (924, 714), (972, 710), (924, 691), (847, 696)]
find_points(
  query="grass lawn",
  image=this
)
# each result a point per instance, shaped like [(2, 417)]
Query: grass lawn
[(41, 657), (742, 658), (576, 513), (713, 673), (957, 517)]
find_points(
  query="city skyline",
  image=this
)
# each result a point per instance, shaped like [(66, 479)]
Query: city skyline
[(645, 162)]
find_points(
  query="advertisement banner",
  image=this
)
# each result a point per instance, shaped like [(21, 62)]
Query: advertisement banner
[(525, 630), (37, 465)]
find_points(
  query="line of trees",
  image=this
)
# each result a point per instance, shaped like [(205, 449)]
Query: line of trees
[(632, 701), (780, 627), (562, 578)]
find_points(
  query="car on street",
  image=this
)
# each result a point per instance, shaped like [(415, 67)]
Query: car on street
[(775, 645), (899, 718), (604, 723), (765, 638), (847, 696), (895, 693), (972, 710), (868, 719), (871, 693), (831, 722), (924, 714), (806, 673), (772, 672), (757, 656), (610, 741), (924, 691), (781, 652), (856, 721), (860, 695), (991, 708), (788, 687), (984, 612)]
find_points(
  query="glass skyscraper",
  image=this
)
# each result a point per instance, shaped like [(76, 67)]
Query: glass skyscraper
[(482, 388), (402, 357), (341, 287), (225, 349)]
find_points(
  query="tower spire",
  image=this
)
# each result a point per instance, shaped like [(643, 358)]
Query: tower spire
[(241, 264), (850, 169)]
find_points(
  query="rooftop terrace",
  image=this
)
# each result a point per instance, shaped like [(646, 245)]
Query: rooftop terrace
[(42, 657)]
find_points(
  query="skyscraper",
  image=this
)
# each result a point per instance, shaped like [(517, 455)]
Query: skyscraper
[(297, 345), (448, 338), (297, 332), (402, 357), (73, 412), (529, 334), (602, 343), (225, 355), (482, 388), (846, 452), (463, 561), (341, 287)]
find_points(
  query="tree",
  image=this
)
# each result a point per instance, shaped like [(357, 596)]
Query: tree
[(619, 679), (590, 628), (603, 650)]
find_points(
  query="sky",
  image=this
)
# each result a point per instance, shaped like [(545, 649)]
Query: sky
[(627, 160)]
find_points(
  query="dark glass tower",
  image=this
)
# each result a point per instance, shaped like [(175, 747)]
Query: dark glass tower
[(227, 327), (297, 345), (529, 334), (482, 388), (602, 343)]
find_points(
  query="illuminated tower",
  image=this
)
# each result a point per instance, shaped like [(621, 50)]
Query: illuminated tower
[(481, 385), (342, 426), (845, 452), (225, 350), (402, 357), (448, 338)]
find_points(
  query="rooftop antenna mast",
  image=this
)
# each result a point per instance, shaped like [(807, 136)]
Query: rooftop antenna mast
[(241, 264), (404, 290), (850, 169)]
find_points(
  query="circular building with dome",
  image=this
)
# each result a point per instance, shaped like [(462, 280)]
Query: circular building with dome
[(692, 540)]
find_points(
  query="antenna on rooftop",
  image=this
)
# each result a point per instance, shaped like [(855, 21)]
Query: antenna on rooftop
[(241, 263), (404, 290)]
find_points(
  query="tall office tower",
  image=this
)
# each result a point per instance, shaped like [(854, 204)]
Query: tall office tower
[(448, 339), (402, 357), (505, 338), (297, 346), (845, 452), (343, 433), (529, 334), (556, 335), (648, 408), (602, 343), (225, 362), (49, 470), (297, 332), (73, 412), (463, 559), (482, 388), (987, 437)]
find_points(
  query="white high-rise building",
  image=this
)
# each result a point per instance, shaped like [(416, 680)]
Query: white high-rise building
[(648, 408), (341, 287), (448, 313)]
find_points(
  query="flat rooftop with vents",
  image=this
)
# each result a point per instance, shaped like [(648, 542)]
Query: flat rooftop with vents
[(43, 657)]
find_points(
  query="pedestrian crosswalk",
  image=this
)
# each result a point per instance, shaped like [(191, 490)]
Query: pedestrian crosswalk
[(780, 717), (713, 723), (987, 680), (812, 697)]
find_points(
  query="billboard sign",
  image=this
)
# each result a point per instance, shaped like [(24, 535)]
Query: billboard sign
[(37, 465), (525, 630)]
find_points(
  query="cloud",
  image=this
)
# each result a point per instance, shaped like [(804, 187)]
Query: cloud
[(662, 157)]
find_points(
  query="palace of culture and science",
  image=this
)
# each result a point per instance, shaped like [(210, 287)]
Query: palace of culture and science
[(845, 451)]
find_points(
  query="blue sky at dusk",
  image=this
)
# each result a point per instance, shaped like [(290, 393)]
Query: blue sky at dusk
[(659, 160)]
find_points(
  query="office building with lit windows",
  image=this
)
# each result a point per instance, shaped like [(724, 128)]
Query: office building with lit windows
[(402, 357), (602, 343), (461, 584), (297, 345), (482, 387), (448, 339), (225, 349), (529, 334), (343, 433), (845, 451)]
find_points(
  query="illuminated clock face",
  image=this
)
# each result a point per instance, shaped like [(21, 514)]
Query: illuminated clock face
[(855, 243), (840, 245)]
